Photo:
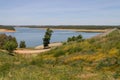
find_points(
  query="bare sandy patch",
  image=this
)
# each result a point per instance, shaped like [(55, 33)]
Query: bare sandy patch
[(82, 30), (37, 50), (51, 45)]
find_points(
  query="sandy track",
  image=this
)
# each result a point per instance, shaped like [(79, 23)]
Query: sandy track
[(37, 50)]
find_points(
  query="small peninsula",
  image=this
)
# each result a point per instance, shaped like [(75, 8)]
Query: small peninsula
[(6, 28)]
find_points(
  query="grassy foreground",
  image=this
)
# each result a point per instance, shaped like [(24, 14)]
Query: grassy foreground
[(92, 59)]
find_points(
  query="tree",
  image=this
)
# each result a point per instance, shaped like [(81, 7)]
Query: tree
[(22, 44), (4, 39), (47, 37), (10, 46), (8, 43)]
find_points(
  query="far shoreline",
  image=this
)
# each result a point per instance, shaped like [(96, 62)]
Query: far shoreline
[(81, 30), (76, 30), (7, 30)]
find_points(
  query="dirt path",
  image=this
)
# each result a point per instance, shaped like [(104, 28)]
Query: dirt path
[(37, 50)]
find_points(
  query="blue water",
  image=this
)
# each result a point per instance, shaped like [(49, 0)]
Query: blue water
[(33, 36)]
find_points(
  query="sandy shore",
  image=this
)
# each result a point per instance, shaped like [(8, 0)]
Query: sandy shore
[(91, 30), (37, 50), (81, 30), (51, 45), (6, 30)]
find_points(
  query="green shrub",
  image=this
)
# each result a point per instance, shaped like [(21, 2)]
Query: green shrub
[(10, 46), (75, 38), (4, 39), (22, 44)]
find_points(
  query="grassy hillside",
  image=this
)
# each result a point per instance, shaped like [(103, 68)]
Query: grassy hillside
[(92, 59), (7, 27)]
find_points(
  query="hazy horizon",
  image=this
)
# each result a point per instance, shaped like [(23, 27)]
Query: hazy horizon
[(59, 12)]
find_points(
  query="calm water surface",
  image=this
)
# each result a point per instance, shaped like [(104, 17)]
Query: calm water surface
[(33, 36)]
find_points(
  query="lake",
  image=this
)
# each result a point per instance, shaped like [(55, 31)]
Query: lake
[(33, 36)]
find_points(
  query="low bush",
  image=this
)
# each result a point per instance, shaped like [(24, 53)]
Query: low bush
[(4, 39), (22, 44), (10, 46), (75, 38)]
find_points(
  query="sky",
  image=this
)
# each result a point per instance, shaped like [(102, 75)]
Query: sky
[(59, 12)]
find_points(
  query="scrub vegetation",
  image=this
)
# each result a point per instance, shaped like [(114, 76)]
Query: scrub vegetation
[(97, 58), (8, 43), (22, 44)]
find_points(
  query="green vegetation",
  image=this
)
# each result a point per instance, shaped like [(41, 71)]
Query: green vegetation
[(91, 59), (47, 37), (75, 38), (7, 27), (8, 43), (10, 46), (22, 44)]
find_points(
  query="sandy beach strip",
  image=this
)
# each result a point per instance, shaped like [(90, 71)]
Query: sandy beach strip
[(37, 50), (55, 44), (6, 30), (81, 30)]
